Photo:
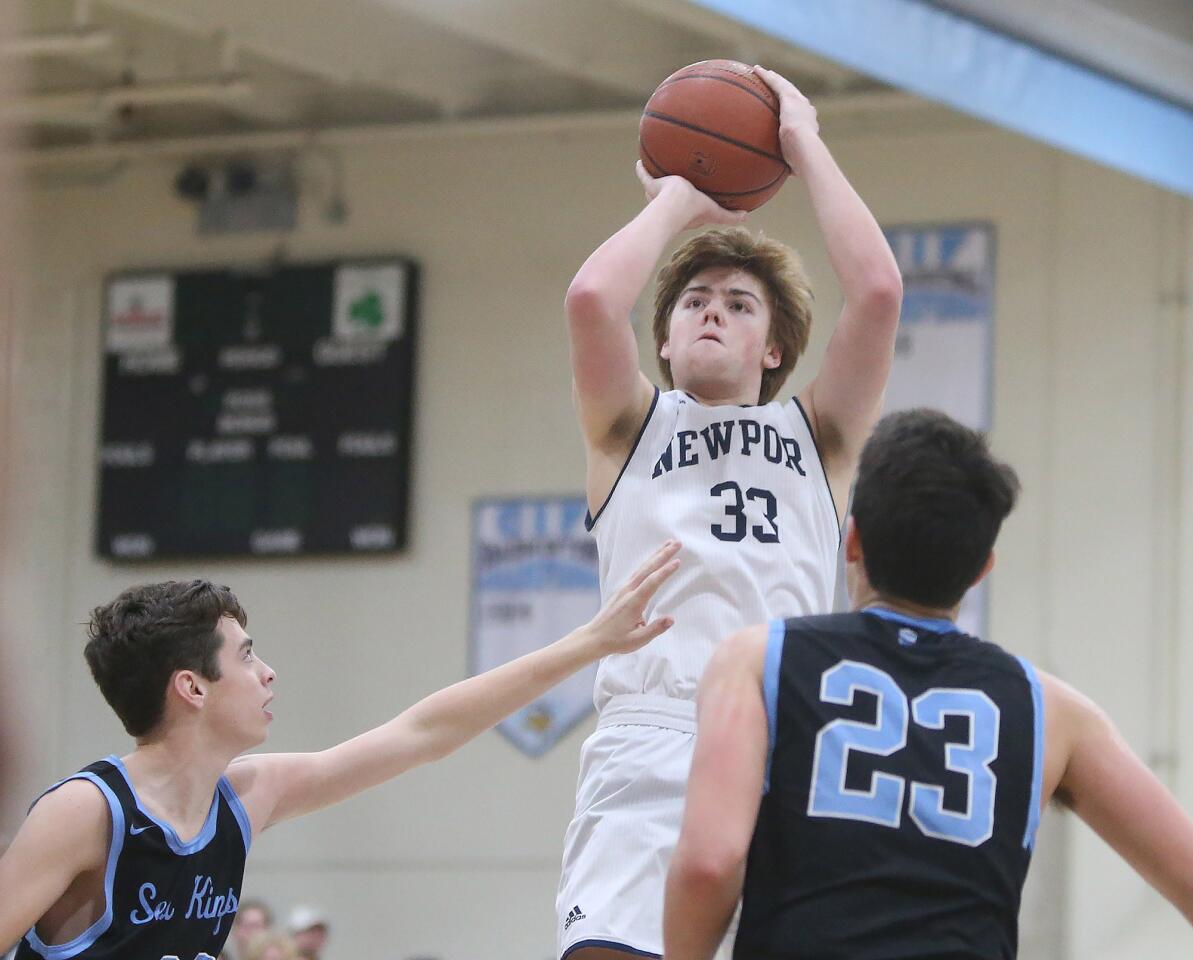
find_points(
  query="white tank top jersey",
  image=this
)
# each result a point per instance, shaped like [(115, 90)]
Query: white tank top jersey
[(744, 489)]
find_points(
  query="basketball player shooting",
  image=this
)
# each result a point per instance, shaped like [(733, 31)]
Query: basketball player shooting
[(746, 481), (142, 857), (885, 772)]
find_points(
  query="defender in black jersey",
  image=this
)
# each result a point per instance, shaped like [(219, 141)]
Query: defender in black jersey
[(141, 858), (870, 783), (163, 894)]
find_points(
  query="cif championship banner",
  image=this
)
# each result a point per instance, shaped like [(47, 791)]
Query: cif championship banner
[(944, 352), (534, 579)]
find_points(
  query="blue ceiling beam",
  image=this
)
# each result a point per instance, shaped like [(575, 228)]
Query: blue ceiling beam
[(942, 56)]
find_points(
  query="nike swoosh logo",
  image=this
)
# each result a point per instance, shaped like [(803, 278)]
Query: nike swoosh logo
[(135, 830)]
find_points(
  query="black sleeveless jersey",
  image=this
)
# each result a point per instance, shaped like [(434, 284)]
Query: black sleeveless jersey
[(164, 897), (902, 793)]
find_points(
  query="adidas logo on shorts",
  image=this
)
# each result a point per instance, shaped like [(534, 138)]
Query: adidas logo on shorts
[(573, 915)]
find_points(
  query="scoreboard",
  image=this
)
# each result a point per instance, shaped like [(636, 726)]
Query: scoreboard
[(257, 413)]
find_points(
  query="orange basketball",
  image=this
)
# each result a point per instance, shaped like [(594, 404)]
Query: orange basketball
[(716, 124)]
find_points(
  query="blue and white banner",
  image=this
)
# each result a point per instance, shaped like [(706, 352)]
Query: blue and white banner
[(944, 354), (534, 579)]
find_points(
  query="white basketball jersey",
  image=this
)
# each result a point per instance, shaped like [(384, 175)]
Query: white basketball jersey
[(744, 489)]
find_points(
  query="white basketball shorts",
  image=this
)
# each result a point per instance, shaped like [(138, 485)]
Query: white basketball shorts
[(629, 807)]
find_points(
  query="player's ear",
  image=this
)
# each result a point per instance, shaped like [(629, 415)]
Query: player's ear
[(853, 542), (190, 687), (665, 349), (986, 568), (773, 356)]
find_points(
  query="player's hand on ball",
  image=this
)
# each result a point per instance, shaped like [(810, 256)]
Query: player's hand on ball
[(621, 626), (702, 208), (796, 114)]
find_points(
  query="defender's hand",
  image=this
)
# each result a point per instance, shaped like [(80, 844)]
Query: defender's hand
[(699, 207), (620, 627), (797, 116)]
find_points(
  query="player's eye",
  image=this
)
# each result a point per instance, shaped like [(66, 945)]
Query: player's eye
[(695, 302)]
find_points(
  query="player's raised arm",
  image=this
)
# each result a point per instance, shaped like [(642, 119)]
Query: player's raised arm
[(276, 787), (612, 394), (704, 880), (65, 835), (1097, 774), (845, 399)]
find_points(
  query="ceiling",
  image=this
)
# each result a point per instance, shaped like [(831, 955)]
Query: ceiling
[(106, 72), (1148, 43), (120, 70)]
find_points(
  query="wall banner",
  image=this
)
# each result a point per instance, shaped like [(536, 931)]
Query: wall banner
[(944, 354), (534, 579)]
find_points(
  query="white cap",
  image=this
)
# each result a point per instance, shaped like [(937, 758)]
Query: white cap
[(304, 916)]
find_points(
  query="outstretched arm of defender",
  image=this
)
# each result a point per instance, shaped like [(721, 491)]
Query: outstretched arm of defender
[(846, 397), (1112, 790), (612, 395), (276, 787)]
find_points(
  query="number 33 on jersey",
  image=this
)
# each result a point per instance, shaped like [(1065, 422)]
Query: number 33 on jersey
[(743, 489)]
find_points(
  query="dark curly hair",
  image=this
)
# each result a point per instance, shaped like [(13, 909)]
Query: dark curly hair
[(142, 637), (928, 505)]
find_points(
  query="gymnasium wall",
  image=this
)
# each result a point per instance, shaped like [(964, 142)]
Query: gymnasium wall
[(11, 243), (1094, 361)]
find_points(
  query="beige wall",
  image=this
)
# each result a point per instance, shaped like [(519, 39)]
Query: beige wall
[(460, 860), (11, 729)]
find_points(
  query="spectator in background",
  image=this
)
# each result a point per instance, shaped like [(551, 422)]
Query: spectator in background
[(253, 917), (271, 945), (308, 925)]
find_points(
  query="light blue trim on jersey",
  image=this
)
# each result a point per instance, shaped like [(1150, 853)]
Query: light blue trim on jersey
[(173, 841), (1037, 776), (72, 948), (948, 57), (924, 623), (776, 631), (238, 811)]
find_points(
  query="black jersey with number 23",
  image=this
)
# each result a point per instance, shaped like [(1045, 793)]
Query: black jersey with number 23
[(164, 897), (902, 794)]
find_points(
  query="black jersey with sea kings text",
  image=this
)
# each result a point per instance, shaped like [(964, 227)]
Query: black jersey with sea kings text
[(163, 897), (902, 794)]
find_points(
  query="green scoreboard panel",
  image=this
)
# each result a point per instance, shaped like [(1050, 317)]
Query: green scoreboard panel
[(249, 413)]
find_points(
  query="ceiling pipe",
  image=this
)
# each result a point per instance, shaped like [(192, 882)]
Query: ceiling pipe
[(72, 43), (89, 107)]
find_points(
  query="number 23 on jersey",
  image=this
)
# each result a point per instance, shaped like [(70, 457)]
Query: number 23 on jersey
[(882, 802)]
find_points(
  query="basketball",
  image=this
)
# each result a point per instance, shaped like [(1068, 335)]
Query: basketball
[(717, 125)]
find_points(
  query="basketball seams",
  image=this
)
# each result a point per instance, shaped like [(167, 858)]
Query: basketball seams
[(729, 195), (713, 135), (732, 82), (663, 172), (748, 193), (750, 148)]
